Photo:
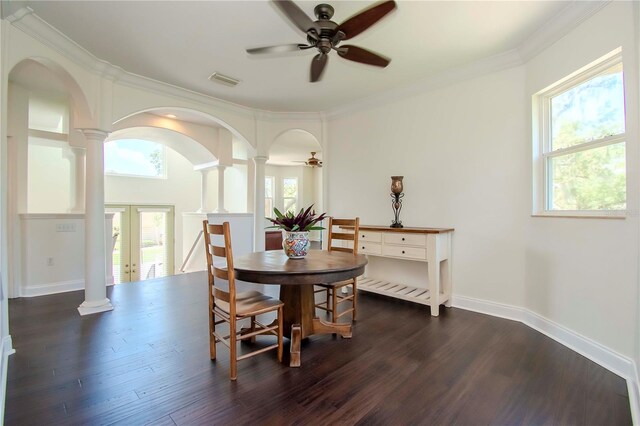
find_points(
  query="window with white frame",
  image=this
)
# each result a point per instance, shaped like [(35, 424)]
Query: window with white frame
[(581, 138), (269, 194), (290, 194)]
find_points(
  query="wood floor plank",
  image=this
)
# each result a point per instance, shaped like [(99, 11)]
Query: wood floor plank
[(147, 362)]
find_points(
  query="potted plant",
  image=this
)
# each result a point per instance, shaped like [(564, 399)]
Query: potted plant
[(295, 228)]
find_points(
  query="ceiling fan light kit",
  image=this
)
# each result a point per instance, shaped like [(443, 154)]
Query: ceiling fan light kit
[(325, 35)]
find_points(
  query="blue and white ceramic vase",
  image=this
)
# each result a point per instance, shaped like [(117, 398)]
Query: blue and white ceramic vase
[(296, 244)]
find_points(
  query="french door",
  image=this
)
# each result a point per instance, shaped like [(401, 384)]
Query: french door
[(143, 242)]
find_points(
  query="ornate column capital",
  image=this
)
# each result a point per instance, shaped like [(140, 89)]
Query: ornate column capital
[(96, 135), (260, 159)]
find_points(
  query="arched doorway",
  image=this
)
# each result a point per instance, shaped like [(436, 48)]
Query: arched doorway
[(207, 172), (292, 180), (44, 104)]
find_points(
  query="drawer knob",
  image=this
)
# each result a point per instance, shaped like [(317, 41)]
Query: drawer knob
[(402, 238), (402, 251), (362, 247), (363, 236)]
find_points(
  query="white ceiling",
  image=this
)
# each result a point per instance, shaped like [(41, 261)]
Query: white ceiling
[(183, 42)]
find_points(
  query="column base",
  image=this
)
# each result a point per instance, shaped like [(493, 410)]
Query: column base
[(88, 308)]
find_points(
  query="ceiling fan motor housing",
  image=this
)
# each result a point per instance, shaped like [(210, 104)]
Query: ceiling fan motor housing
[(325, 35), (323, 11)]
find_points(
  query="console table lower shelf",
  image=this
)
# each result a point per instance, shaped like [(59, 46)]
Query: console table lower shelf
[(398, 291), (428, 245)]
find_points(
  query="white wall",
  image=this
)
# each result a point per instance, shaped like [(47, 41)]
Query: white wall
[(53, 258), (49, 180), (582, 273), (465, 152), (461, 150), (236, 185)]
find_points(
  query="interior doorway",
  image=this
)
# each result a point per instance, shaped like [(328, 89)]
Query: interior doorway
[(143, 242)]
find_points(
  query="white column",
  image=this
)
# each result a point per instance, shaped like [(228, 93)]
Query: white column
[(95, 283), (220, 208), (79, 155), (258, 204), (203, 191)]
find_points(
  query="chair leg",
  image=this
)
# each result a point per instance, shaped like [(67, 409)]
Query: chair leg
[(354, 300), (253, 328), (233, 361), (212, 338), (334, 302), (327, 298), (280, 315)]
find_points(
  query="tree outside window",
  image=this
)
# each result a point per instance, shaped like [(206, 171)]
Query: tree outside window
[(135, 157), (583, 152), (290, 194)]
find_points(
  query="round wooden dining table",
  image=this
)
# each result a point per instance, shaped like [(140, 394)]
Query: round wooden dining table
[(296, 278)]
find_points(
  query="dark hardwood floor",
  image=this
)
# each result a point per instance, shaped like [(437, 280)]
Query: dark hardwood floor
[(148, 362)]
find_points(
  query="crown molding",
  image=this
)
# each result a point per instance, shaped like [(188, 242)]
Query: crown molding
[(558, 26), (287, 116), (31, 24)]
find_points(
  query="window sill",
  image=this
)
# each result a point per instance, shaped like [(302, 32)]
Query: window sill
[(617, 215)]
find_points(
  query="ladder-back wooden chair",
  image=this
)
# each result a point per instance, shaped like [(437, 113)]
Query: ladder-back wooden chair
[(232, 307), (347, 232)]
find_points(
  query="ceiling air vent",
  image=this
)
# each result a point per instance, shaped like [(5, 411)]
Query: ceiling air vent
[(226, 80)]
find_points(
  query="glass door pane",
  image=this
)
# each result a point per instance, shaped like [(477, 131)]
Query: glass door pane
[(120, 238), (142, 242), (153, 253)]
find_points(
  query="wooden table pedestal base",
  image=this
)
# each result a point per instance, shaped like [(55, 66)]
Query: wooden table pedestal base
[(300, 319)]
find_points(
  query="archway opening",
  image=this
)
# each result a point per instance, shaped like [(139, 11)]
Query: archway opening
[(205, 171), (292, 179), (46, 224)]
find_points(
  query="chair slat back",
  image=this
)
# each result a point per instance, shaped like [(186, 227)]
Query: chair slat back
[(223, 234), (343, 233)]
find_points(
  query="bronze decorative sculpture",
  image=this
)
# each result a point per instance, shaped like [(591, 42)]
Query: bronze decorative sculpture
[(396, 203)]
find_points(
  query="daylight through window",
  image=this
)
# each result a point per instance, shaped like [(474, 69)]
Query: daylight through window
[(583, 141), (290, 194), (135, 157), (269, 190)]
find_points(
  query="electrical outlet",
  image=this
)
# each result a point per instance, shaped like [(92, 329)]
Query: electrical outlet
[(49, 261), (66, 227)]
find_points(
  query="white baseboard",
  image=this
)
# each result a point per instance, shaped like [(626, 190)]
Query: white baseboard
[(600, 354), (6, 349), (57, 287), (634, 397)]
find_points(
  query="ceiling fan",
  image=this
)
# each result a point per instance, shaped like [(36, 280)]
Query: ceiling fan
[(312, 161), (325, 35)]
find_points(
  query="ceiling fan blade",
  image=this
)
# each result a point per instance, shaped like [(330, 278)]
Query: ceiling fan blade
[(363, 20), (317, 66), (284, 48), (364, 56), (295, 15)]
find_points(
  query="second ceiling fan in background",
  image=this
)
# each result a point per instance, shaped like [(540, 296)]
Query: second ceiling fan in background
[(325, 35)]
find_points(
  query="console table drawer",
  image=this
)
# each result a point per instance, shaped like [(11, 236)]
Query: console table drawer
[(375, 237), (405, 239), (405, 252), (367, 247)]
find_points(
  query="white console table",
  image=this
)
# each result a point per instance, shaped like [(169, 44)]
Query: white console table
[(430, 245)]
